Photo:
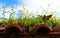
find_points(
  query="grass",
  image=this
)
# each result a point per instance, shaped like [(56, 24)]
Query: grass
[(25, 20)]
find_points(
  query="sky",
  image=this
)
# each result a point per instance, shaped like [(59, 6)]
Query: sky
[(10, 2), (34, 5)]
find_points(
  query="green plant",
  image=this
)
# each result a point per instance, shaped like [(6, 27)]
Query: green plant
[(11, 19), (4, 20), (28, 20)]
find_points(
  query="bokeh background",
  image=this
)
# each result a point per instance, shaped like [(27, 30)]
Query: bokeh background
[(32, 5)]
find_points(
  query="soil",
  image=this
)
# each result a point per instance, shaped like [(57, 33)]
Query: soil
[(56, 28)]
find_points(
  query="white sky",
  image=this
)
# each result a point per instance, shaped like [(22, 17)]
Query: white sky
[(39, 5), (36, 4)]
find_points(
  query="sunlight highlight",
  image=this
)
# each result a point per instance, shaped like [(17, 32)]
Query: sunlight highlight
[(39, 5)]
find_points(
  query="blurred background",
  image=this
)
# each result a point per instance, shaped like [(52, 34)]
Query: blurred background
[(34, 7)]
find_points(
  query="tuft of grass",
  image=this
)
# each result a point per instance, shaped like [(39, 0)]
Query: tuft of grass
[(27, 19)]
